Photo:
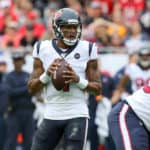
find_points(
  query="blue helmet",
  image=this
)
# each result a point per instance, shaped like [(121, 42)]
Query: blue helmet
[(144, 57), (64, 17)]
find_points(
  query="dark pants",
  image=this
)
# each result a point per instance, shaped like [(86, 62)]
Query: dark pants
[(21, 121), (2, 131), (109, 143), (93, 136), (72, 132), (127, 130), (92, 130)]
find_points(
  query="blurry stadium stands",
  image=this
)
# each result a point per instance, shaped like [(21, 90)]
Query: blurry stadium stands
[(118, 27)]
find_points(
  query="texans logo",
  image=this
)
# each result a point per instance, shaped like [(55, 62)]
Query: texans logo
[(58, 14), (77, 56)]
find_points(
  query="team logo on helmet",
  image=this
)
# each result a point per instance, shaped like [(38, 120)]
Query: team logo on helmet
[(66, 16), (58, 14)]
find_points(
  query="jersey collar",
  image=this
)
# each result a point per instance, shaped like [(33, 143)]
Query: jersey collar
[(60, 52)]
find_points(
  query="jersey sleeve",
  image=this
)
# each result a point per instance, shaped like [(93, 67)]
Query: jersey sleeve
[(129, 69), (35, 51), (94, 52)]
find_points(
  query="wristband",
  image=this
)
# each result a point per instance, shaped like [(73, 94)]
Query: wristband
[(83, 83), (44, 78)]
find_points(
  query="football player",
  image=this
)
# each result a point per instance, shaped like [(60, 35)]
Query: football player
[(66, 112), (129, 121), (138, 73)]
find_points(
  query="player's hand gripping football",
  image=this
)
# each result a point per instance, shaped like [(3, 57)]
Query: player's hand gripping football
[(53, 67), (70, 75)]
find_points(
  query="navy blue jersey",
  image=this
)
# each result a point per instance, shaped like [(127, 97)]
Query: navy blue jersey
[(119, 74), (3, 95), (107, 84), (19, 96)]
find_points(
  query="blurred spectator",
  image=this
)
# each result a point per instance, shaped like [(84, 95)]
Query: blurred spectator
[(93, 10), (20, 109), (40, 5), (102, 30), (101, 35), (3, 101), (145, 18), (38, 27), (131, 10), (96, 35), (74, 4), (136, 39), (49, 12), (22, 9), (29, 39), (116, 41), (7, 14), (119, 26), (107, 6), (3, 64), (11, 37)]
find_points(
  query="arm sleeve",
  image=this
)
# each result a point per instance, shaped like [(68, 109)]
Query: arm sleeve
[(94, 52), (35, 51), (128, 69)]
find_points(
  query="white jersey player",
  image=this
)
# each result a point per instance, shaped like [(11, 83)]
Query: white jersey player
[(140, 103), (66, 112), (138, 73), (68, 103), (129, 121)]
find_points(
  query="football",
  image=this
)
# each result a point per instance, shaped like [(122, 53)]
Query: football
[(57, 78)]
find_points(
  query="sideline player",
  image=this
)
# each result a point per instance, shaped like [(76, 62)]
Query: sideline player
[(20, 107), (66, 112), (138, 73), (129, 121)]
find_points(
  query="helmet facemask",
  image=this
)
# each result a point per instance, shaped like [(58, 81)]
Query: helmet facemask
[(70, 41), (145, 63), (67, 18), (144, 58)]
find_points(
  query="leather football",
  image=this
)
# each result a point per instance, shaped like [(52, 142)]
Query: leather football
[(57, 78)]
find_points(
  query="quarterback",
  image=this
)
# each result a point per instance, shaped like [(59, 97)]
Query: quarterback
[(66, 113)]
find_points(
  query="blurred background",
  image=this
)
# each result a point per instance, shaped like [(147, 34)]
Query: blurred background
[(118, 27)]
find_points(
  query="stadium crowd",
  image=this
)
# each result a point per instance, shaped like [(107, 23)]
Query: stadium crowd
[(116, 26)]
